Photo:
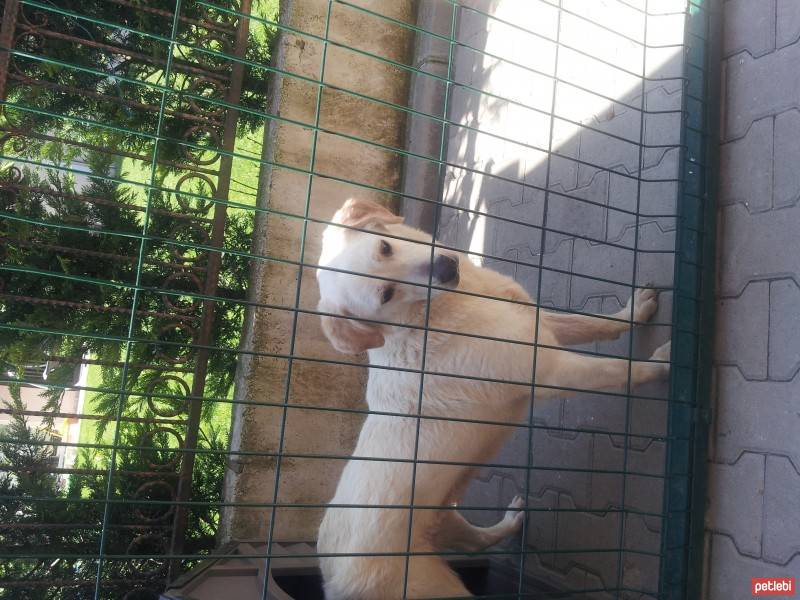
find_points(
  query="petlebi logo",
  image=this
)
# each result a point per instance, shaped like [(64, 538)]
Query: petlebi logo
[(772, 586)]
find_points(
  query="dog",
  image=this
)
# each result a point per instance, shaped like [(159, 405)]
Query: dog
[(464, 361)]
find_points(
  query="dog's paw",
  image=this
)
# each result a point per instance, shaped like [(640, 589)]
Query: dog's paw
[(645, 304), (663, 352), (515, 515)]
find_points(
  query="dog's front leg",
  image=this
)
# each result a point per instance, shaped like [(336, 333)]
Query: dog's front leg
[(562, 368), (457, 534), (571, 329)]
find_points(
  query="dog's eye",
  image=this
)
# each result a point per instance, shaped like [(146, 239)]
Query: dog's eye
[(386, 249), (388, 294)]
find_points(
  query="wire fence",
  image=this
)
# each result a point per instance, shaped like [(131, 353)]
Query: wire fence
[(147, 235)]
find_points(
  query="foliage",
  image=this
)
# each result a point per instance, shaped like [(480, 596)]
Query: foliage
[(123, 69), (54, 522), (83, 243)]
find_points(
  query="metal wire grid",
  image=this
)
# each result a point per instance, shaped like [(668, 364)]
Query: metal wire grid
[(693, 261)]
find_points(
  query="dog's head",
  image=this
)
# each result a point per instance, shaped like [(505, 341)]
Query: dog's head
[(392, 273)]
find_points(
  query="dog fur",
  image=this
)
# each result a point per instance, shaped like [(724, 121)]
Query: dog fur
[(451, 358)]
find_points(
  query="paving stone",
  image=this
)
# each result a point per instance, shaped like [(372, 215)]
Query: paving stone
[(648, 418), (744, 345), (664, 95), (640, 491), (461, 145), (759, 87), (726, 511), (660, 165), (599, 412), (617, 16), (616, 263), (605, 45), (653, 197), (742, 254), (730, 572), (571, 536), (582, 107), (597, 77), (507, 82), (756, 422), (756, 416), (606, 490), (781, 527), (547, 413), (542, 535), (556, 278), (599, 152), (666, 26), (659, 8), (515, 453), (749, 26), (664, 63), (562, 453), (623, 193), (658, 197), (637, 574), (542, 525), (784, 330), (644, 455), (644, 493), (661, 128), (748, 164), (511, 43), (539, 16), (515, 159), (502, 236), (787, 175), (613, 262), (572, 528), (525, 126), (788, 23), (563, 166), (571, 216), (642, 533)]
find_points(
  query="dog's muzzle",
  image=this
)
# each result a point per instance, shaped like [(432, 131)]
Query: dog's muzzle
[(445, 270)]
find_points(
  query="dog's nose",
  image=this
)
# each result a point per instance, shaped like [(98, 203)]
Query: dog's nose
[(445, 269)]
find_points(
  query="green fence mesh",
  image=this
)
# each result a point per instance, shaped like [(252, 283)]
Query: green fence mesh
[(138, 141)]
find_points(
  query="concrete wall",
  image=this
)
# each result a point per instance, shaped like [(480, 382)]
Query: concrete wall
[(265, 379)]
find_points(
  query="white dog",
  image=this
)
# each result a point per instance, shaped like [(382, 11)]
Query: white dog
[(453, 356)]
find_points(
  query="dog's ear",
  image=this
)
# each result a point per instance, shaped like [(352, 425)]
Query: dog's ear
[(364, 213), (349, 336)]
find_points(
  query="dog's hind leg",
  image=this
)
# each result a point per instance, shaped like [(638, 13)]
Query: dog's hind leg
[(570, 329), (456, 533), (431, 577)]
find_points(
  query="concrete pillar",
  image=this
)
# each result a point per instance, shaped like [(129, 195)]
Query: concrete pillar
[(261, 379)]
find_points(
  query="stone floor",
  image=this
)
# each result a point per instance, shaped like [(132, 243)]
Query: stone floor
[(596, 247), (607, 229), (753, 519)]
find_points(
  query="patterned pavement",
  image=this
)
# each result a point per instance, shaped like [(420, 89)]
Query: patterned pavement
[(596, 247), (753, 519)]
